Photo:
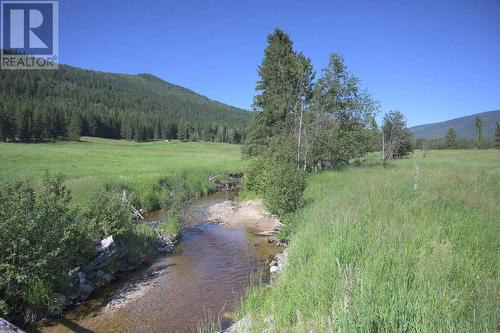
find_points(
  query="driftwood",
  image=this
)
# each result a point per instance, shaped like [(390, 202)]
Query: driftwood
[(136, 212), (229, 183), (267, 233), (273, 231)]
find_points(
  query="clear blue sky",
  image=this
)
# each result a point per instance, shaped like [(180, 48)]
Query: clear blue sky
[(432, 60)]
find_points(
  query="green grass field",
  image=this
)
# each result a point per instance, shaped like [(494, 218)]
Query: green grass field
[(371, 254), (94, 164)]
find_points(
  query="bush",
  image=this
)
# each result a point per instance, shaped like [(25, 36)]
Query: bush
[(37, 246), (151, 201), (106, 215), (284, 189), (279, 182), (171, 226), (43, 239)]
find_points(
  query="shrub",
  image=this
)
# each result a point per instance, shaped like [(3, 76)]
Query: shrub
[(106, 215), (37, 246), (151, 201), (279, 182), (171, 226), (284, 189)]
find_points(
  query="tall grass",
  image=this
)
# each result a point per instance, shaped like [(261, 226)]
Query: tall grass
[(371, 254), (95, 164)]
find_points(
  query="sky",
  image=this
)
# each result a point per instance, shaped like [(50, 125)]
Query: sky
[(431, 60)]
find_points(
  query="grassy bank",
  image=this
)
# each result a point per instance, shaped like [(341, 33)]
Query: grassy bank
[(95, 164), (371, 253)]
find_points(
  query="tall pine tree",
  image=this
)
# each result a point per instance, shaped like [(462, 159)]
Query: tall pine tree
[(497, 135), (479, 131), (451, 139)]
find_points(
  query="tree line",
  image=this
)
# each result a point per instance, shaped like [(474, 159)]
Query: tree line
[(451, 141), (69, 102)]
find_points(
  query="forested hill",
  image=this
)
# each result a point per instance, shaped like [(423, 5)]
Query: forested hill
[(70, 102), (464, 126)]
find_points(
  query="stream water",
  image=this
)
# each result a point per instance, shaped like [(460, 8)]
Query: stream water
[(199, 284)]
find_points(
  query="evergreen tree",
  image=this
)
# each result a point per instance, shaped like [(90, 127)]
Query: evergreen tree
[(38, 124), (140, 133), (479, 131), (285, 87), (24, 119), (5, 123), (74, 128), (451, 139), (276, 86), (497, 135)]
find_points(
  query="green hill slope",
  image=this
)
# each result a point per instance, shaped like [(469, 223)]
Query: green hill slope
[(464, 126), (49, 104)]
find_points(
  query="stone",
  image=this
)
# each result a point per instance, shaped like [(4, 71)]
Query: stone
[(85, 289), (110, 250), (72, 296), (274, 269), (6, 327), (107, 278), (106, 243)]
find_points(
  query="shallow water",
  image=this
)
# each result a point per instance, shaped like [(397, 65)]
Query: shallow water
[(200, 283)]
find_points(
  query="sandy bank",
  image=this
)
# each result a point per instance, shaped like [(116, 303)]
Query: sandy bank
[(250, 213)]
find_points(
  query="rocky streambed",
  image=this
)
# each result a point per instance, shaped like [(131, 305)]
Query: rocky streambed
[(198, 285)]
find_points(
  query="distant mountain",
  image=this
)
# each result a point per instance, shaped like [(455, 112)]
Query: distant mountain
[(55, 103), (464, 126)]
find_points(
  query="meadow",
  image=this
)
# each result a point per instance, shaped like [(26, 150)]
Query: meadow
[(372, 252), (93, 165)]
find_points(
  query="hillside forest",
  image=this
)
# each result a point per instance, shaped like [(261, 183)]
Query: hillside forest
[(71, 102)]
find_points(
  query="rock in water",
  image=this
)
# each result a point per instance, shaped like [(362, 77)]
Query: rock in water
[(6, 327)]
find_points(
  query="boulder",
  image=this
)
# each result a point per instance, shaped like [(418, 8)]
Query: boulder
[(6, 327), (109, 251), (86, 289), (72, 297), (107, 278), (166, 245), (81, 275), (106, 243)]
